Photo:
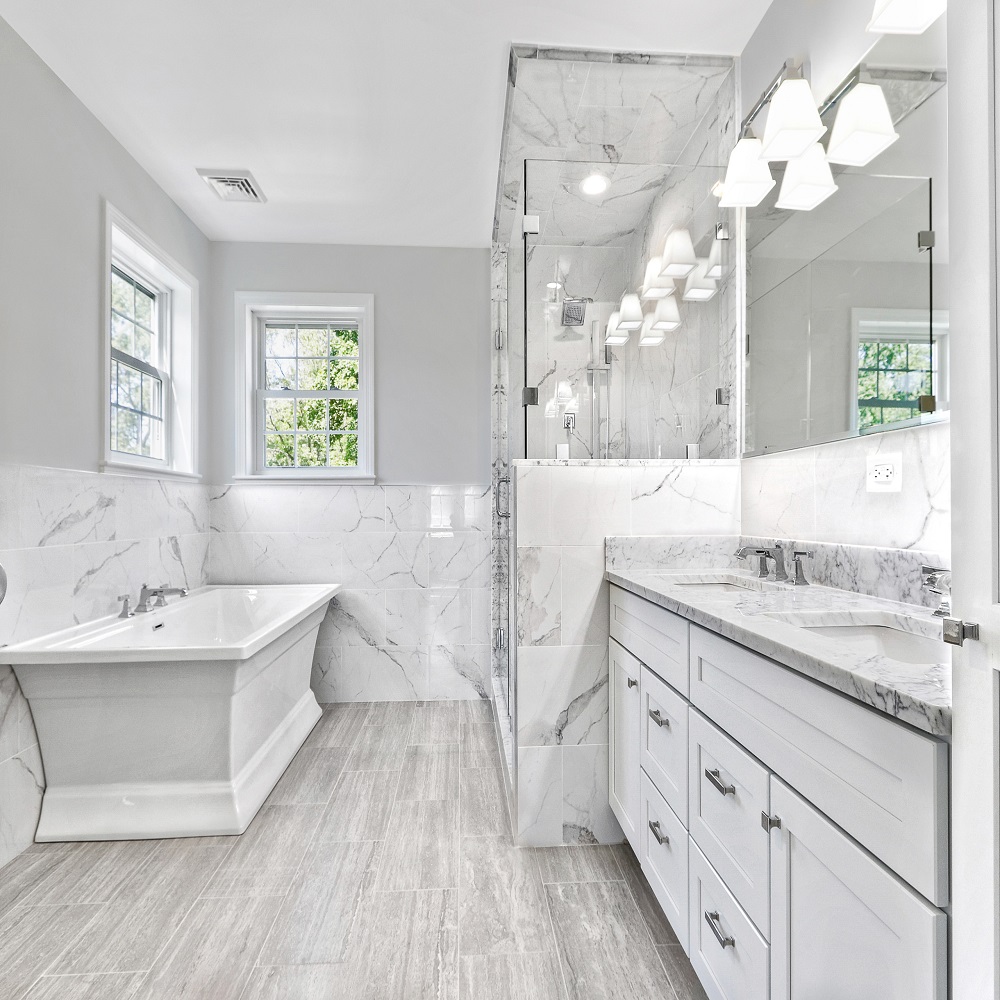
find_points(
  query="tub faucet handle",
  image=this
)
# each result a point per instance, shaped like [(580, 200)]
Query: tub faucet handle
[(126, 611)]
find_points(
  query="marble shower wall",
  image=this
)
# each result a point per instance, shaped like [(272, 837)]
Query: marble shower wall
[(412, 620), (71, 542), (564, 513)]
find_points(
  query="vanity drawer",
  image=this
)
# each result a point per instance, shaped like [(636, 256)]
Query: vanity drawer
[(657, 637), (663, 854), (729, 791), (883, 782), (663, 748), (727, 951)]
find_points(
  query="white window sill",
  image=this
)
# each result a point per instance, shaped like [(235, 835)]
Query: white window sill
[(325, 480), (147, 472)]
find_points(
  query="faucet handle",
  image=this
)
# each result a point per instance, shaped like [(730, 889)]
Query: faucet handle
[(800, 577), (126, 611)]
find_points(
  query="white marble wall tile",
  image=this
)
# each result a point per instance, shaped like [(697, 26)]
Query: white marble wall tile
[(299, 557), (233, 557), (533, 497), (562, 695), (340, 508), (270, 507), (587, 816), (355, 618), (458, 672), (584, 595), (428, 617), (481, 615), (58, 507), (39, 592), (687, 499), (659, 554), (10, 713), (180, 561), (539, 796), (458, 559), (779, 495), (181, 508), (539, 596), (22, 782), (390, 561), (104, 570), (368, 673)]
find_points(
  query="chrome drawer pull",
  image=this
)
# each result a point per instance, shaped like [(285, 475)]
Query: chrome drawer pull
[(769, 822), (654, 828), (654, 714), (632, 682), (712, 919), (722, 787)]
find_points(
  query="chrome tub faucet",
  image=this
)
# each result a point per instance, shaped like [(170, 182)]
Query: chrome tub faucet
[(157, 595)]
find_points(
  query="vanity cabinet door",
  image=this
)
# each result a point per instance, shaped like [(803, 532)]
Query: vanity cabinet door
[(842, 925), (664, 858), (624, 740), (663, 748), (657, 636)]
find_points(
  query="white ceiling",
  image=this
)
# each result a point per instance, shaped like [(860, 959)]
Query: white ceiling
[(373, 122)]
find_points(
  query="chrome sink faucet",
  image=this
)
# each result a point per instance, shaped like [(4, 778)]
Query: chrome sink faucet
[(746, 551), (937, 580), (157, 595), (775, 554)]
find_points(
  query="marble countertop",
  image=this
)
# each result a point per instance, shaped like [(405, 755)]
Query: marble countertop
[(916, 693)]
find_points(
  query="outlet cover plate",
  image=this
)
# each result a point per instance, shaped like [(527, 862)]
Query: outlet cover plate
[(885, 472)]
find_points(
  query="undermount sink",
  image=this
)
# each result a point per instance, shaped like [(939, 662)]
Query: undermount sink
[(872, 640), (715, 587)]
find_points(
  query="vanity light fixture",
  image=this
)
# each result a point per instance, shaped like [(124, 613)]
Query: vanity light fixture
[(715, 261), (700, 287), (554, 286), (650, 336), (748, 177), (905, 17), (614, 337), (630, 313), (863, 127), (678, 259), (654, 286), (793, 122), (808, 181), (667, 316), (595, 183)]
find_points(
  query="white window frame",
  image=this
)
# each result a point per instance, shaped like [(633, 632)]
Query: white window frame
[(253, 310), (176, 289)]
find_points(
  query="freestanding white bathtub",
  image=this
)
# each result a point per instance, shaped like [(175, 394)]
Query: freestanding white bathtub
[(175, 723)]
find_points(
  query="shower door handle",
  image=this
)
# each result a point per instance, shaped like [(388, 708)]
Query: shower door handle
[(500, 484)]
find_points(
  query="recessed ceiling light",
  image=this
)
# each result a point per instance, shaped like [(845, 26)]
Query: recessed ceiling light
[(554, 285), (595, 184)]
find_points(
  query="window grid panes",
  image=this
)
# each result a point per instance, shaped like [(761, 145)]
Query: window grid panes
[(310, 394), (892, 375), (137, 381)]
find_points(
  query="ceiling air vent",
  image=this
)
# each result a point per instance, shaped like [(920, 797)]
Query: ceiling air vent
[(233, 185)]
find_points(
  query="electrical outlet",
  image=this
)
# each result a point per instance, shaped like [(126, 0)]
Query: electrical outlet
[(885, 472)]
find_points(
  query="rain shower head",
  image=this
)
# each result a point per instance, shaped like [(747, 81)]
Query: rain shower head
[(574, 311)]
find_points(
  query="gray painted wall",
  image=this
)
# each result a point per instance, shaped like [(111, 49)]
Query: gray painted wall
[(57, 165), (432, 388)]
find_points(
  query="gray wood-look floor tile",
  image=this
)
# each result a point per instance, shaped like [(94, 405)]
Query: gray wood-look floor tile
[(378, 748), (429, 772), (360, 807), (234, 883), (310, 778), (534, 976), (213, 951), (24, 875), (338, 726), (604, 949), (390, 713), (503, 906), (681, 973), (577, 864), (436, 722), (278, 837), (480, 710), (410, 947), (92, 873), (318, 922), (128, 933), (113, 986), (301, 982), (659, 927), (484, 803), (421, 847), (479, 745), (31, 938)]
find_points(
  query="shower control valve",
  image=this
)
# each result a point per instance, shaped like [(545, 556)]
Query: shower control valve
[(569, 421)]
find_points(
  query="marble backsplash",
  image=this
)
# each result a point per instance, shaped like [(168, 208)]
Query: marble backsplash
[(71, 542), (413, 618)]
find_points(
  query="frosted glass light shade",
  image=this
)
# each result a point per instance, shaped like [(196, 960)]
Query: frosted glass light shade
[(650, 337), (748, 177), (700, 287), (630, 313), (905, 17), (793, 122), (715, 261), (667, 316), (613, 337), (863, 128), (678, 259), (654, 286), (808, 181)]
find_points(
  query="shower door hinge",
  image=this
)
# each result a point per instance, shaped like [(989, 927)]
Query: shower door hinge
[(529, 395), (925, 240), (498, 340), (501, 639)]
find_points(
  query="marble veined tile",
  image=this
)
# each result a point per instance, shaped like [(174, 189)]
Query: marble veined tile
[(22, 782), (61, 507), (331, 508), (387, 561), (458, 671), (587, 816), (539, 796), (298, 557), (268, 507), (428, 617), (688, 499), (539, 596), (458, 559), (354, 618)]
